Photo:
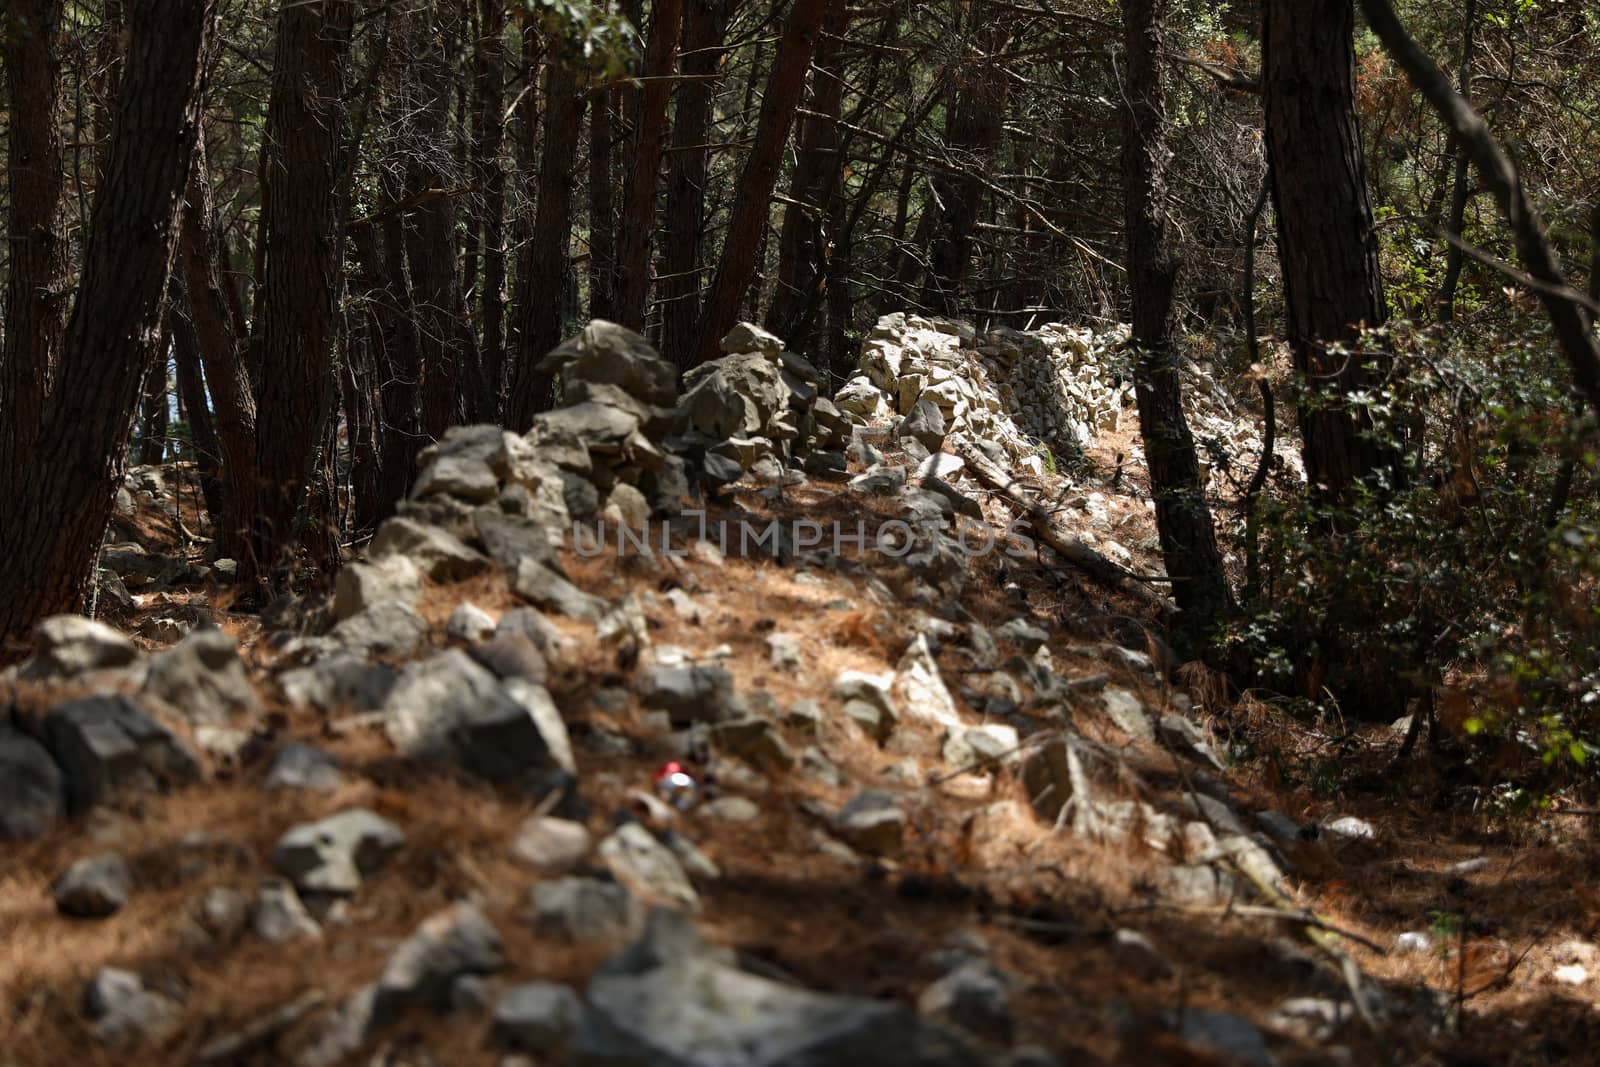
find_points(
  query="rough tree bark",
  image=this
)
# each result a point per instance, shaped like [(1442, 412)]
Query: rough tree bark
[(1188, 540), (489, 88), (205, 450), (748, 223), (36, 296), (972, 134), (62, 494), (452, 382), (1326, 241), (539, 290), (1460, 188), (802, 240), (298, 282), (213, 305), (639, 206), (678, 288), (153, 413), (602, 207)]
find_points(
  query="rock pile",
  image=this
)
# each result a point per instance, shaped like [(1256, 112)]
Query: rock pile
[(1050, 388), (502, 700)]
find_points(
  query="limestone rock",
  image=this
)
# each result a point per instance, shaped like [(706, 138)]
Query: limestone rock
[(123, 1011), (364, 584), (65, 646), (647, 868), (302, 766), (551, 846), (93, 888), (690, 694), (585, 910), (450, 707), (334, 854), (537, 1017), (873, 823), (202, 678), (682, 1004), (436, 553), (32, 794), (105, 745)]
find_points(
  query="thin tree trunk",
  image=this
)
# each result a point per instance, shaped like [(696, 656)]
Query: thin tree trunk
[(678, 289), (747, 225), (216, 317), (540, 290), (61, 498), (395, 359), (972, 134), (1326, 242), (1500, 178), (153, 413), (602, 207), (299, 281), (204, 450), (452, 382), (36, 288), (1183, 520), (639, 208), (1460, 189), (802, 242), (490, 88)]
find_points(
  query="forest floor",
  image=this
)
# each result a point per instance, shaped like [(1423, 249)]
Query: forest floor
[(1508, 971)]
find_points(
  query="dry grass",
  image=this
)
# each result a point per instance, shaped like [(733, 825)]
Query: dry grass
[(976, 861)]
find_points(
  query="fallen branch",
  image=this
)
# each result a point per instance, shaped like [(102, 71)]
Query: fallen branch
[(1069, 548)]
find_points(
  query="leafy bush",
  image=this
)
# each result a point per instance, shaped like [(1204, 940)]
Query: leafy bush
[(1472, 580)]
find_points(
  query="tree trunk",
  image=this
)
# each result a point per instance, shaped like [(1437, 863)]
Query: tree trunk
[(36, 289), (540, 293), (639, 208), (1460, 189), (357, 384), (1188, 541), (204, 450), (972, 134), (490, 89), (678, 289), (602, 207), (452, 383), (153, 413), (215, 314), (748, 223), (299, 282), (802, 241), (394, 356), (1326, 242), (61, 496)]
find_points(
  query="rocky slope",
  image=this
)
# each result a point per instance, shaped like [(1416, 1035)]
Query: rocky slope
[(729, 726)]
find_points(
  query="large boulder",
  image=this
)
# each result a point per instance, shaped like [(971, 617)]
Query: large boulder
[(107, 745), (65, 646), (448, 945), (202, 679), (333, 855), (32, 796), (451, 707), (681, 1004), (604, 360), (437, 554), (738, 396)]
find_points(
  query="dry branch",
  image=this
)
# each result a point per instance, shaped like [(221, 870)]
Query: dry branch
[(1069, 548)]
